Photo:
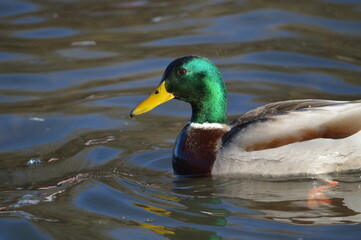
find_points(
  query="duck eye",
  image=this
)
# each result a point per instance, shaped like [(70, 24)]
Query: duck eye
[(181, 71)]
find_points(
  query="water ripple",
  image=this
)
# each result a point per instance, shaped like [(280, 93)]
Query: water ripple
[(16, 7), (46, 33), (72, 161)]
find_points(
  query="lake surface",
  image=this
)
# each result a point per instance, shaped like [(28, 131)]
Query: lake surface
[(74, 165)]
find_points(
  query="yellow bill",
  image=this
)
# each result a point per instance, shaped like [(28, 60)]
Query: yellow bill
[(159, 96)]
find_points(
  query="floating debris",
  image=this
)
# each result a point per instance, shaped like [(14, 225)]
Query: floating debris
[(83, 43), (53, 159), (78, 178), (157, 19), (52, 197), (345, 58), (100, 140), (33, 162), (149, 220), (37, 119), (45, 188)]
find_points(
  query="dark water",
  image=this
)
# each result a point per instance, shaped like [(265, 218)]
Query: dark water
[(73, 165)]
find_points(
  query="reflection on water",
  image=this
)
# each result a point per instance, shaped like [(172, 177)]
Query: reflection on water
[(72, 162)]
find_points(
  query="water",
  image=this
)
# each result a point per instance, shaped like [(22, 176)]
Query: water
[(74, 165)]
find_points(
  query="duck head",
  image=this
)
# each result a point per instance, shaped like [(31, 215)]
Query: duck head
[(195, 80)]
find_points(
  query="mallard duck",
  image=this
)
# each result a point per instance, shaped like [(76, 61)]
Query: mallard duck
[(296, 137)]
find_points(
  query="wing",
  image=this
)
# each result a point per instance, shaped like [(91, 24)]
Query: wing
[(282, 123)]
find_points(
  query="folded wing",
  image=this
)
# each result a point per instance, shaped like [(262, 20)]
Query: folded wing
[(279, 124)]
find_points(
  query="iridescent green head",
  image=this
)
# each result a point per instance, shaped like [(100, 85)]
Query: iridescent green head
[(195, 80)]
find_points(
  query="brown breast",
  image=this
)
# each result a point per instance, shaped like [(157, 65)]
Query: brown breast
[(195, 150)]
